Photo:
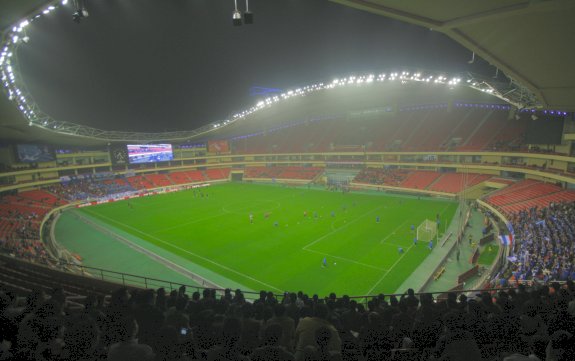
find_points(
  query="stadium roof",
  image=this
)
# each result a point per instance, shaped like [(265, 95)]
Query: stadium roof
[(527, 39)]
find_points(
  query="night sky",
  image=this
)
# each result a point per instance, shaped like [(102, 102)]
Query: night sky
[(158, 65)]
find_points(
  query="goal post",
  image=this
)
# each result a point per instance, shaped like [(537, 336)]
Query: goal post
[(426, 231)]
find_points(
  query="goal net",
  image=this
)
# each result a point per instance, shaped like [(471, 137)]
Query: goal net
[(426, 231)]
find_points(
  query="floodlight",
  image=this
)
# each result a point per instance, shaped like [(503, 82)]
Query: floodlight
[(248, 15), (81, 11), (77, 16), (236, 15)]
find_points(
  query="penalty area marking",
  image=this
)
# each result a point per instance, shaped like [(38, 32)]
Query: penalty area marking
[(346, 260), (191, 222), (389, 270), (392, 233), (243, 210), (193, 254), (338, 229)]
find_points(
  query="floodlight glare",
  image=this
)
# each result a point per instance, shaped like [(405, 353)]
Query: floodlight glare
[(77, 16), (236, 15), (81, 12), (237, 18)]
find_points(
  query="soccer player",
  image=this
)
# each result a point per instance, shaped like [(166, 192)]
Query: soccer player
[(412, 227), (377, 219), (324, 263), (332, 213), (430, 245), (276, 224), (400, 250), (415, 241), (251, 218), (305, 214)]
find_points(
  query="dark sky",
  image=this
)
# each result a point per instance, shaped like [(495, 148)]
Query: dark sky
[(156, 65)]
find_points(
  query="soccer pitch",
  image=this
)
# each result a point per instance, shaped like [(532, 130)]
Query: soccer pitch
[(293, 230)]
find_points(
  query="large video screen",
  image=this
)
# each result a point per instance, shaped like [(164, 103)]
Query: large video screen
[(148, 153), (34, 153), (544, 131)]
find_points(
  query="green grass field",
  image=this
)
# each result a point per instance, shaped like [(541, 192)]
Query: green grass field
[(215, 232)]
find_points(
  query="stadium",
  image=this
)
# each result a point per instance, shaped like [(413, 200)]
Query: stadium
[(409, 213)]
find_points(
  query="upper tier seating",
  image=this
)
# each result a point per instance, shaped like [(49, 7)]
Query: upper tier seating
[(407, 130), (420, 179), (457, 182), (483, 135), (389, 177), (304, 173)]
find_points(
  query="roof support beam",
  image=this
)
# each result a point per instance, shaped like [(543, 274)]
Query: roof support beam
[(523, 8)]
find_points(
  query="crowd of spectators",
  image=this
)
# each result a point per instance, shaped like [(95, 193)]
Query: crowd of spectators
[(26, 249), (538, 323), (83, 189), (19, 234), (381, 176), (544, 246)]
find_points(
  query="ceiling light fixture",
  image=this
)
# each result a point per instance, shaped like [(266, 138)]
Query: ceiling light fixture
[(81, 11), (236, 15), (248, 15)]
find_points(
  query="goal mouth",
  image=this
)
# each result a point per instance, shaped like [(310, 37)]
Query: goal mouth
[(427, 231)]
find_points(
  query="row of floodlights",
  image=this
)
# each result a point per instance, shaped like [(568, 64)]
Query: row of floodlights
[(81, 12), (546, 112), (248, 17), (403, 78), (15, 93)]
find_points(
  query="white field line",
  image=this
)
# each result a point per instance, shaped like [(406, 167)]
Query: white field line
[(226, 212), (396, 262), (346, 260), (389, 270), (191, 222), (338, 229), (193, 254), (393, 244), (392, 233)]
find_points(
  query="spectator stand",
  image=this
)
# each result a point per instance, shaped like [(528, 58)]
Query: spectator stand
[(486, 324)]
